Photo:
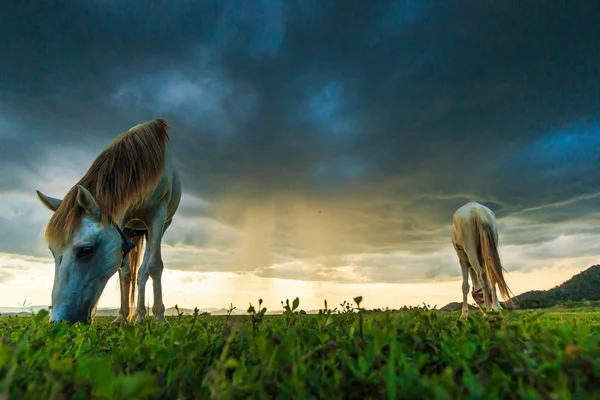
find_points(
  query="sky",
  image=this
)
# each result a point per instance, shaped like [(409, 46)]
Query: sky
[(323, 145)]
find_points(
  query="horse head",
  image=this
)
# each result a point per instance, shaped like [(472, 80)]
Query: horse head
[(84, 260)]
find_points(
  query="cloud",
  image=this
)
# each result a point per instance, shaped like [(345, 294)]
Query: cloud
[(16, 267), (315, 139), (195, 278), (8, 271), (6, 277)]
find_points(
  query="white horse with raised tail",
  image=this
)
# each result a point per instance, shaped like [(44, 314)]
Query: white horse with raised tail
[(130, 192), (475, 239)]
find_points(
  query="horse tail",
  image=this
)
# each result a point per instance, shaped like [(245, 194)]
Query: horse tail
[(134, 263), (488, 253)]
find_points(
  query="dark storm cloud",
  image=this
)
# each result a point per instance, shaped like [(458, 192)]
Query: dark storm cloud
[(385, 116)]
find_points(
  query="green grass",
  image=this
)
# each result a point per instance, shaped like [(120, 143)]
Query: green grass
[(413, 354)]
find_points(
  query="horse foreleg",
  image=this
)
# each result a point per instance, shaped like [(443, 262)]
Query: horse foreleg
[(142, 279), (153, 267), (155, 270), (158, 308), (124, 284), (94, 310)]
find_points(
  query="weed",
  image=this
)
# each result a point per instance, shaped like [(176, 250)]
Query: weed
[(257, 317), (289, 313)]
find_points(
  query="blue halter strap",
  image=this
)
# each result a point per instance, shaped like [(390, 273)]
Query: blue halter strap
[(127, 246)]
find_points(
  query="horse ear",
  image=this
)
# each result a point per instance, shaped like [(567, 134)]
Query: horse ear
[(87, 202), (49, 202)]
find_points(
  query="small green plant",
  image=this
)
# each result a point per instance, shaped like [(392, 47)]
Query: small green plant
[(179, 313), (289, 313), (257, 317), (229, 311), (24, 304), (346, 308), (347, 313), (357, 300), (325, 317)]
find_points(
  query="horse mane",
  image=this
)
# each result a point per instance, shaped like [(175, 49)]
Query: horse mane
[(123, 175)]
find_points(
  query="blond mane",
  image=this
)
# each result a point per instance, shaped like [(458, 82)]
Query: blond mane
[(122, 176)]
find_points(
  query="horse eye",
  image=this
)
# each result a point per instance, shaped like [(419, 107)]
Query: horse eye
[(84, 252)]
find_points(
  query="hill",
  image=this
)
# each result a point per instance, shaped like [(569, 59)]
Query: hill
[(457, 306), (585, 286)]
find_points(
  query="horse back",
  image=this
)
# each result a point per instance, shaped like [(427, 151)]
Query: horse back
[(462, 220)]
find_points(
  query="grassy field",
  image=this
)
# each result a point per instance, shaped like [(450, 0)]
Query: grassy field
[(413, 354)]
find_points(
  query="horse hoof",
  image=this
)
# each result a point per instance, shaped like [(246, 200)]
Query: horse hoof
[(119, 321)]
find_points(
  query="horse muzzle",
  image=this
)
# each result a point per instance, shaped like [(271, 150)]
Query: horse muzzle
[(72, 313)]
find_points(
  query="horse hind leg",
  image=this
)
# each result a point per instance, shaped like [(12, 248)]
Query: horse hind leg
[(463, 259), (465, 287), (494, 298), (476, 285), (480, 274), (486, 290), (495, 302), (490, 295)]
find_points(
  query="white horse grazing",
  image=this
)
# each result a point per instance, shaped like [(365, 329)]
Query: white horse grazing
[(131, 184), (475, 239)]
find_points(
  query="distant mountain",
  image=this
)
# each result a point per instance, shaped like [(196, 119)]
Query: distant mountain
[(9, 311), (108, 311), (583, 286), (531, 295), (456, 306)]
